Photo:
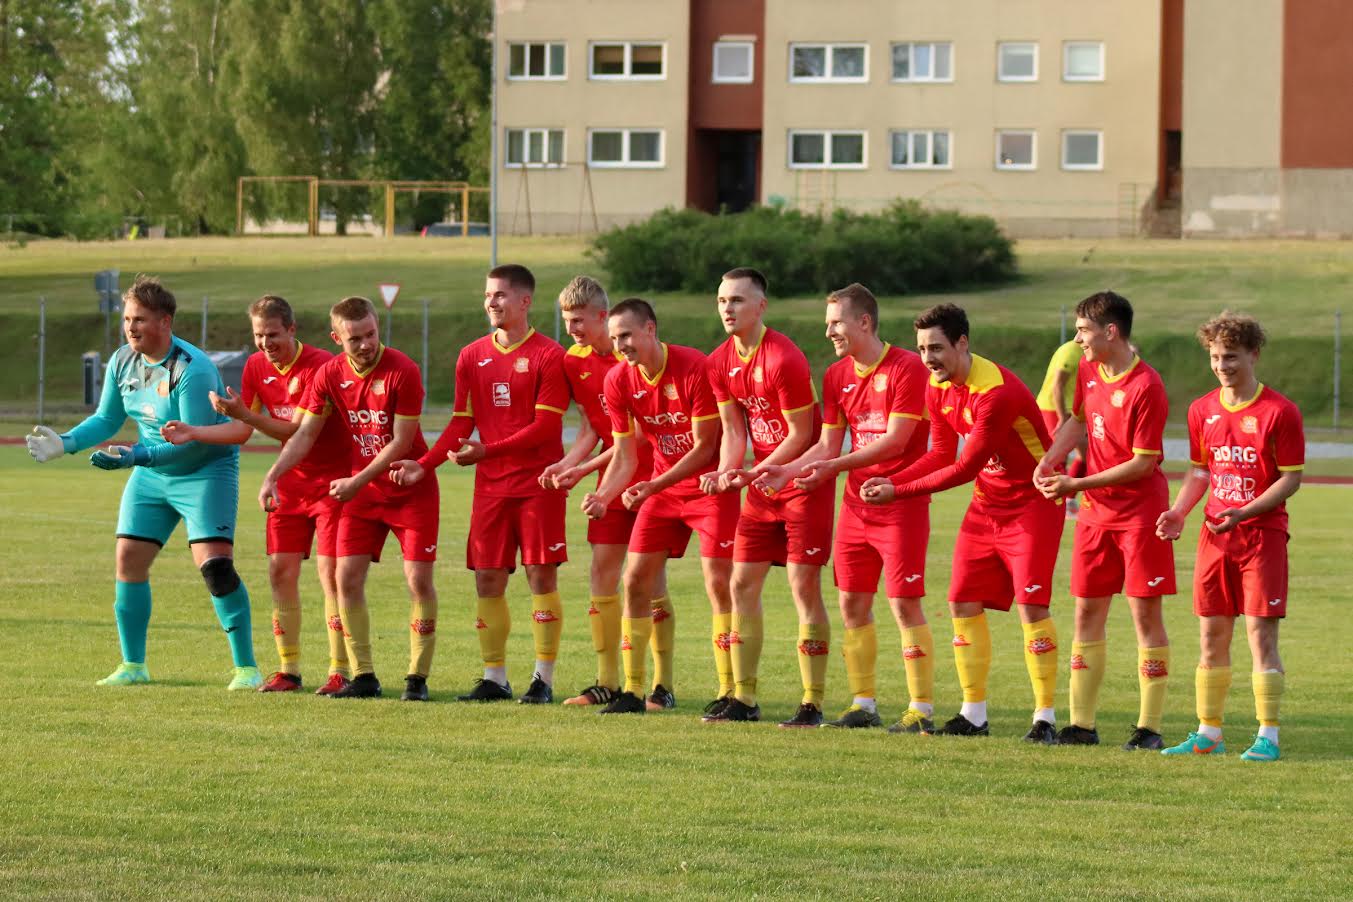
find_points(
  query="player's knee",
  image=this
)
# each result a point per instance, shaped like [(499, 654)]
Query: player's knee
[(220, 576)]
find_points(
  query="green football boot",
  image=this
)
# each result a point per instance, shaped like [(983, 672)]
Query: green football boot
[(1196, 744), (246, 678), (1262, 750), (127, 674)]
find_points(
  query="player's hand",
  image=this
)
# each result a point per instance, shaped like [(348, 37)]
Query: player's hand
[(176, 432), (546, 477), (1226, 521), (709, 482), (567, 478), (772, 480), (120, 457), (593, 506), (405, 472), (267, 494), (44, 444), (879, 490), (1169, 525), (1046, 467), (636, 494), (733, 480), (815, 474), (471, 452), (232, 405), (1055, 486), (344, 489)]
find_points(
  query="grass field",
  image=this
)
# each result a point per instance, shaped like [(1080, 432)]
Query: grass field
[(179, 789)]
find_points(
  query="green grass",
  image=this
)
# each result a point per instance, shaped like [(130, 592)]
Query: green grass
[(181, 789)]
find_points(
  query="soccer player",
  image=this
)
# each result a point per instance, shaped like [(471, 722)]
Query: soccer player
[(664, 391), (376, 393), (764, 378), (272, 388), (877, 392), (1247, 448), (1055, 399), (583, 304), (1007, 543), (510, 385), (154, 378), (1120, 404)]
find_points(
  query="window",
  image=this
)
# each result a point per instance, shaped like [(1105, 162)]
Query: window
[(1016, 150), (1083, 149), (535, 61), (920, 149), (733, 62), (828, 62), (826, 150), (923, 62), (628, 60), (1017, 61), (534, 147), (1083, 61), (625, 147)]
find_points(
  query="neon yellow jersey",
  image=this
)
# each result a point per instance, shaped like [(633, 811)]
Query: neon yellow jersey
[(1066, 359)]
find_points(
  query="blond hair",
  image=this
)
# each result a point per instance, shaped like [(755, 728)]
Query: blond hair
[(581, 293)]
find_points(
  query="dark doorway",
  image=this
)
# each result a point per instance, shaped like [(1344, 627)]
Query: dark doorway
[(735, 182)]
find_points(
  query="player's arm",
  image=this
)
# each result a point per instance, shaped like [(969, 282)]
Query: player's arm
[(798, 439), (729, 473), (293, 452), (892, 444), (1284, 487), (246, 409), (44, 443), (619, 474), (582, 446), (456, 433), (191, 396), (1171, 523), (1068, 436), (1139, 466), (1059, 380), (706, 432), (543, 426), (992, 423), (403, 433), (177, 432), (775, 476)]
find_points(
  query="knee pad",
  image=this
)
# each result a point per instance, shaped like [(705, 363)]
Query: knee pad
[(219, 572)]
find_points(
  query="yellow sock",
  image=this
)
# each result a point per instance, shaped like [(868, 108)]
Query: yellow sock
[(422, 636), (1153, 671), (286, 632), (338, 649), (357, 636), (814, 642), (1040, 657), (745, 641), (723, 658), (1268, 692), (603, 616), (547, 622), (1088, 660), (635, 633), (664, 641), (861, 651), (972, 655), (918, 657), (493, 625), (1211, 686)]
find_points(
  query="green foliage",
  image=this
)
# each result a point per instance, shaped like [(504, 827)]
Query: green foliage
[(904, 249)]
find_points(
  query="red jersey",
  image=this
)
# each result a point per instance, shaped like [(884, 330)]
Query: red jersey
[(280, 390), (367, 403), (1245, 448), (586, 371), (770, 383), (866, 398), (504, 392), (666, 408), (1124, 416), (1005, 433)]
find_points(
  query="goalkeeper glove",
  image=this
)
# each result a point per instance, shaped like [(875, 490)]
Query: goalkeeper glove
[(120, 457), (45, 444)]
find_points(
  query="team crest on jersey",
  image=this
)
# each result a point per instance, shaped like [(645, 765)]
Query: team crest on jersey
[(967, 415), (758, 375), (1117, 398), (163, 389), (378, 387), (521, 365), (880, 381), (502, 394), (669, 391), (294, 385), (1249, 425)]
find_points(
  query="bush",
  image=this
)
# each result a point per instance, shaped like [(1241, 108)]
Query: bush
[(905, 248)]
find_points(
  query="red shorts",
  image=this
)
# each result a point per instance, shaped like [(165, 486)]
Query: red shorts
[(313, 516), (1000, 554), (665, 522), (500, 526), (1049, 420), (1132, 561), (891, 541), (612, 529), (792, 527), (1241, 572), (366, 520)]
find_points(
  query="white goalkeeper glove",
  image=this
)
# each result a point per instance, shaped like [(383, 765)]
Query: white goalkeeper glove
[(44, 444)]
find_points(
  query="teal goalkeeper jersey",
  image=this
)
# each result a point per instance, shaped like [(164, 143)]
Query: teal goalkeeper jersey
[(152, 394)]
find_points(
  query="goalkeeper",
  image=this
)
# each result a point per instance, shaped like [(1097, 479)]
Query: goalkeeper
[(154, 378)]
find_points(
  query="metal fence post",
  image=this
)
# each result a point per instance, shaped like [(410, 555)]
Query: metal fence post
[(425, 347), (42, 358), (1338, 351)]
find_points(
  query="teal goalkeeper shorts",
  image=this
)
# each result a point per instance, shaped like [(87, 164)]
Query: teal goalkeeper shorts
[(153, 504)]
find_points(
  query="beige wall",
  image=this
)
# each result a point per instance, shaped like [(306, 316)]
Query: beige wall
[(556, 197), (1048, 200)]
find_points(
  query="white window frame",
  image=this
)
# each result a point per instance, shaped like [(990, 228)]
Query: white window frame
[(627, 75), (544, 133), (827, 135), (930, 134), (749, 46), (1098, 165), (1067, 47), (625, 162), (1033, 150), (830, 49), (911, 53), (1000, 48), (548, 45)]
